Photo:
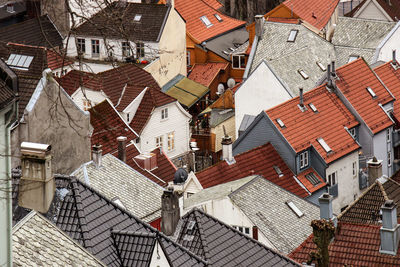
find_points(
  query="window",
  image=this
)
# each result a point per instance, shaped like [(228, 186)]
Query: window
[(137, 18), (159, 141), (10, 8), (164, 113), (127, 117), (171, 141), (352, 58), (324, 145), (304, 159), (389, 156), (95, 48), (218, 17), (332, 179), (86, 104), (238, 62), (139, 50), (354, 168), (313, 179), (292, 35), (19, 61), (353, 132), (81, 45), (188, 58), (126, 49), (371, 92), (295, 209), (244, 230), (388, 135), (280, 122), (206, 21), (303, 74)]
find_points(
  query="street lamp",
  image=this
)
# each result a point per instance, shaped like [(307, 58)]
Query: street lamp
[(194, 148)]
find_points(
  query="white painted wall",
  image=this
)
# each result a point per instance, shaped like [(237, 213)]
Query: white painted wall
[(372, 10), (177, 122), (381, 149), (133, 106), (94, 96), (158, 259), (347, 182), (392, 43), (261, 91)]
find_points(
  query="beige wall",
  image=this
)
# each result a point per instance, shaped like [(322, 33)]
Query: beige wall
[(219, 132)]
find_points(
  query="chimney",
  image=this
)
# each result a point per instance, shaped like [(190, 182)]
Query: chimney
[(325, 208), (147, 161), (170, 212), (333, 70), (97, 155), (394, 62), (122, 148), (301, 97), (389, 231), (37, 186), (329, 77), (227, 154), (255, 232), (374, 170), (259, 23)]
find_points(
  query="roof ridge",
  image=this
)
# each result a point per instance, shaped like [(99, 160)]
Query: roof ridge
[(202, 235), (382, 190)]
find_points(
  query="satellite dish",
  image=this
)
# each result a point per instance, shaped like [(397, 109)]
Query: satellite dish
[(231, 82), (221, 88)]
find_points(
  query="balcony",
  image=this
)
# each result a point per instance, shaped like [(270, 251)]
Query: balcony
[(333, 190)]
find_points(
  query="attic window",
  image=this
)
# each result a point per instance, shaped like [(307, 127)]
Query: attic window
[(324, 145), (278, 171), (352, 58), (313, 108), (292, 35), (280, 122), (321, 66), (371, 92), (312, 178), (218, 17), (138, 17), (206, 21), (190, 225), (19, 61), (295, 209), (303, 74)]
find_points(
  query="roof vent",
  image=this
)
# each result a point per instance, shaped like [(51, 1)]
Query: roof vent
[(324, 145), (313, 108), (295, 209), (278, 171), (371, 92), (280, 122), (394, 61), (218, 17), (301, 105), (321, 66), (303, 74)]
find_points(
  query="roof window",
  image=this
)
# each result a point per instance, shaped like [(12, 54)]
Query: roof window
[(321, 66), (278, 171), (371, 92), (324, 145), (303, 74), (312, 178), (206, 21), (295, 209), (19, 61), (352, 58), (313, 108), (292, 35), (190, 225), (280, 122), (218, 17), (137, 17)]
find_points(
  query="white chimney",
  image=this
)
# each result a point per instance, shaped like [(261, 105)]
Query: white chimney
[(389, 231), (122, 148), (374, 170), (97, 153), (37, 186), (325, 208), (259, 24)]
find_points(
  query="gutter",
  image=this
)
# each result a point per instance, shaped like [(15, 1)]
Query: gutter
[(163, 24)]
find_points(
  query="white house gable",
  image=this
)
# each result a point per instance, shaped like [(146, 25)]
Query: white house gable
[(82, 97), (372, 10)]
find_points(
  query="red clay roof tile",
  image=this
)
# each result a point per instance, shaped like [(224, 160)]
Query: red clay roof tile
[(205, 73), (55, 60), (306, 182), (260, 160)]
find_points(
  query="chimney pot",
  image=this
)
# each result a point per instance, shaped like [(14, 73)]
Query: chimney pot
[(259, 24), (97, 153), (325, 207), (227, 153), (122, 148), (394, 57)]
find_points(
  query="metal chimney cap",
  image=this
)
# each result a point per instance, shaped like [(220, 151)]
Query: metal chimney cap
[(35, 146)]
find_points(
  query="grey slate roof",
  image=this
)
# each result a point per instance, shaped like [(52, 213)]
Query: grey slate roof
[(344, 53), (37, 242), (90, 218), (138, 194), (287, 58), (264, 203), (218, 116), (221, 245)]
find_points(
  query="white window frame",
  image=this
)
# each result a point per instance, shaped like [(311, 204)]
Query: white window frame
[(292, 36), (303, 159), (140, 50), (95, 47), (86, 104), (206, 21), (81, 45), (388, 137), (164, 114), (171, 141), (354, 168), (389, 160), (332, 178), (241, 59), (159, 141), (126, 49), (242, 229)]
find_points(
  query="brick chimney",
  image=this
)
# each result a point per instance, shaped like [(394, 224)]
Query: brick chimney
[(170, 212), (122, 148), (389, 231), (259, 23), (97, 153), (374, 170), (37, 186), (325, 208)]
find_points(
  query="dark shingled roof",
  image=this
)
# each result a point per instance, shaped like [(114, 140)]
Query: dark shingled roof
[(119, 15), (6, 94), (37, 32), (221, 245), (90, 219)]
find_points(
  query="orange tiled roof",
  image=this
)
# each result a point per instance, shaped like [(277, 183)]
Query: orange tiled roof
[(260, 160), (310, 187), (192, 12), (283, 20), (315, 12), (55, 60), (302, 129), (205, 73), (353, 245), (354, 78)]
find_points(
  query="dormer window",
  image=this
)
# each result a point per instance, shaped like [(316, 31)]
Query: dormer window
[(280, 122), (292, 35), (324, 145), (303, 74), (313, 179), (218, 17), (371, 92), (206, 21), (137, 18)]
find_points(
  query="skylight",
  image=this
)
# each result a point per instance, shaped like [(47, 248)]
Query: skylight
[(352, 58), (312, 178), (278, 171), (19, 61), (303, 74), (190, 225), (280, 122), (371, 92), (292, 35), (137, 17), (206, 21), (313, 108), (218, 17), (321, 66), (324, 145), (295, 209)]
